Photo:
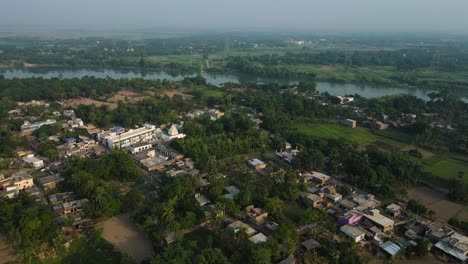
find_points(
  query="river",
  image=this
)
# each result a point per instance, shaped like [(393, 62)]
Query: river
[(368, 91)]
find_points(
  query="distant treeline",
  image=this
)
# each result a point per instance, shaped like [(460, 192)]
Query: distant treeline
[(402, 59)]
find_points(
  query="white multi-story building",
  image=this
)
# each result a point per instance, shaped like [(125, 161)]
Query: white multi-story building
[(116, 138), (33, 161)]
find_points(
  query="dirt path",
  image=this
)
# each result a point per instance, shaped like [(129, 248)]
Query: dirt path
[(124, 235), (6, 252)]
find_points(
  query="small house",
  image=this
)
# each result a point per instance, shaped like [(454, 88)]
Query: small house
[(355, 233)]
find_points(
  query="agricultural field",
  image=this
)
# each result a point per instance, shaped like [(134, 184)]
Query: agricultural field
[(335, 131), (211, 92), (436, 201), (448, 167)]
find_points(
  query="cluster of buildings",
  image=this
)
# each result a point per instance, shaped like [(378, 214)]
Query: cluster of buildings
[(79, 147), (28, 126), (364, 219), (253, 222), (19, 181), (66, 207), (288, 154), (213, 113), (22, 181)]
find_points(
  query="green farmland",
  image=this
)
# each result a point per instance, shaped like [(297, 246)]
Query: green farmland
[(335, 131), (448, 168)]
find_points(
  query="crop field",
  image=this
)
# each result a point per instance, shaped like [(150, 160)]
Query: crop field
[(335, 131), (448, 167), (212, 92)]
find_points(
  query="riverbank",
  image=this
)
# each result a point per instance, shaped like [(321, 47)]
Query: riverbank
[(368, 91)]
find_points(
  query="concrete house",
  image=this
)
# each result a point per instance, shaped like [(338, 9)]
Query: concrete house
[(313, 200), (22, 180), (257, 164), (355, 233), (256, 215), (50, 182), (393, 209), (349, 122), (381, 221), (33, 161), (320, 178)]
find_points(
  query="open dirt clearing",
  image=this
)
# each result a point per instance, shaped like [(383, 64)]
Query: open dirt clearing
[(124, 235), (127, 96), (171, 93), (87, 101), (443, 208), (6, 252)]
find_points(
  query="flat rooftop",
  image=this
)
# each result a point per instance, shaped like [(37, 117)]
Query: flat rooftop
[(131, 133), (380, 219)]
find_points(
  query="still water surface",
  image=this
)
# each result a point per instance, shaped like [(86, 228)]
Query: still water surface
[(367, 91)]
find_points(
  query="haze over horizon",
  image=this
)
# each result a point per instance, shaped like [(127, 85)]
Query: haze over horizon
[(339, 15)]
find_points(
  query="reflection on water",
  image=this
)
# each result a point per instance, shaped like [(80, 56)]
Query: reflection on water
[(368, 91)]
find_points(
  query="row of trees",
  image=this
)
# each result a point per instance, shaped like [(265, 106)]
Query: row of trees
[(402, 59)]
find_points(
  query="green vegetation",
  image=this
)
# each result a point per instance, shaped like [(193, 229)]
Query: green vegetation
[(220, 148), (89, 248), (449, 168), (336, 131), (29, 226), (90, 178)]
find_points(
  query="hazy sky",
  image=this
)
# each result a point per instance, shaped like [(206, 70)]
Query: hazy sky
[(355, 15)]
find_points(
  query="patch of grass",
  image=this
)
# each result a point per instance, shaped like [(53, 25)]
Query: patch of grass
[(359, 135), (448, 168), (394, 135), (212, 92)]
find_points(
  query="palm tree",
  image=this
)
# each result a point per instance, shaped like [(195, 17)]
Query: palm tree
[(168, 213), (100, 196)]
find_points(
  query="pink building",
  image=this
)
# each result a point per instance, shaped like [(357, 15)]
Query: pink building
[(350, 218)]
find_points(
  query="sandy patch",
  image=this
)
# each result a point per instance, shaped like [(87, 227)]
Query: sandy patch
[(86, 101), (6, 252), (327, 68), (127, 96), (30, 65), (435, 201), (124, 235), (424, 260), (171, 93)]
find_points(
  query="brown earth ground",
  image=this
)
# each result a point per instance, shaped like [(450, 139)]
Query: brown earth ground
[(327, 68), (86, 101), (171, 93), (127, 96), (423, 260), (435, 201), (6, 252), (124, 235), (30, 65)]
